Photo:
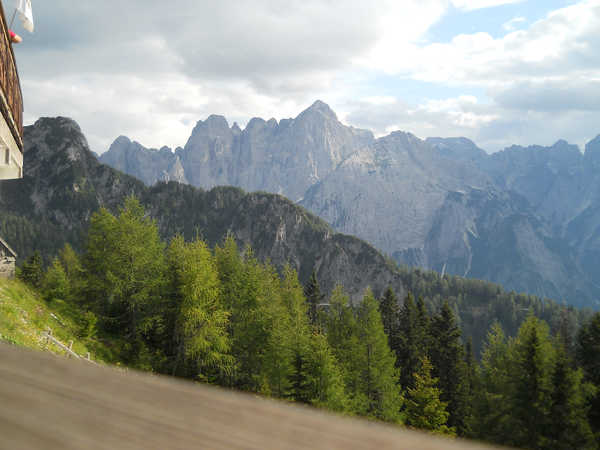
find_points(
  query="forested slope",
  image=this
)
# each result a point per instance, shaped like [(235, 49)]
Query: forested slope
[(64, 185)]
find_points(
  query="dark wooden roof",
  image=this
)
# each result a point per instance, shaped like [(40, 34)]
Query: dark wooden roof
[(5, 245)]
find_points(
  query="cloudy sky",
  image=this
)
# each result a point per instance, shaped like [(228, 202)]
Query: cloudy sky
[(500, 72)]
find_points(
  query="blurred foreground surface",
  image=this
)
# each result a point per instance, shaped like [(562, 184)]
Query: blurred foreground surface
[(49, 402)]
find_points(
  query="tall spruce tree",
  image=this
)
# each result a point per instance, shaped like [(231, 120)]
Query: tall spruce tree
[(202, 343), (423, 408), (388, 307), (250, 293), (492, 409), (378, 377), (298, 335), (55, 284), (588, 357), (447, 357), (125, 268), (342, 336), (32, 271), (314, 297), (532, 357), (324, 380), (411, 341), (471, 383), (568, 426)]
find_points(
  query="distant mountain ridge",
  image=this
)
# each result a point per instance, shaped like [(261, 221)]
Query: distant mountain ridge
[(285, 157), (64, 184), (527, 218)]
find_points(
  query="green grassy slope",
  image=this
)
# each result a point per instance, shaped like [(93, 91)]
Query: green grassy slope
[(25, 318)]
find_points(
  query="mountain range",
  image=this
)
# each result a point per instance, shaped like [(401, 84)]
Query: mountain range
[(525, 217), (64, 184)]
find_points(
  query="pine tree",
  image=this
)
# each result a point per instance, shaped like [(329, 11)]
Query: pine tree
[(201, 321), (32, 271), (251, 293), (471, 384), (532, 361), (342, 336), (55, 284), (324, 377), (388, 307), (292, 333), (492, 400), (569, 426), (424, 409), (71, 263), (125, 268), (588, 357), (378, 377), (312, 291), (411, 341), (447, 357)]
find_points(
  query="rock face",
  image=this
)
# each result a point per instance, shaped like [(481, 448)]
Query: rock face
[(64, 184), (389, 193), (528, 218), (285, 157), (148, 165)]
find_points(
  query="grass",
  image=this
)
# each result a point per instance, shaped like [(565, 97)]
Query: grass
[(25, 317)]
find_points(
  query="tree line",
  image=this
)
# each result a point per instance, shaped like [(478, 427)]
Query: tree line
[(221, 316)]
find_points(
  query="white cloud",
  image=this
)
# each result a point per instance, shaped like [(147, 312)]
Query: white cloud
[(559, 45), (150, 70), (513, 23), (470, 5), (145, 68)]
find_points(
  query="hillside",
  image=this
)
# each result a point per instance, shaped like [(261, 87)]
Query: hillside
[(64, 184), (525, 218), (25, 319)]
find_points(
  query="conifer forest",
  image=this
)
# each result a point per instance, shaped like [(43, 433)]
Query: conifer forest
[(220, 316)]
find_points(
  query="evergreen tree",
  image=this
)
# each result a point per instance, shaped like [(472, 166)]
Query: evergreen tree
[(32, 271), (388, 307), (492, 400), (342, 336), (569, 426), (200, 326), (251, 293), (55, 284), (287, 351), (588, 357), (424, 409), (378, 380), (312, 291), (71, 263), (125, 268), (324, 379), (532, 357), (447, 356), (410, 341)]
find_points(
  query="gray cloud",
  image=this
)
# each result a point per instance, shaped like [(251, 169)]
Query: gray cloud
[(492, 126), (152, 69), (564, 95)]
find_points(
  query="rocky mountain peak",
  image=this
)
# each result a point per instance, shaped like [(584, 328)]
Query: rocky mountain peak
[(319, 108), (121, 141), (52, 135), (457, 148), (65, 123), (254, 124), (214, 125), (592, 150)]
